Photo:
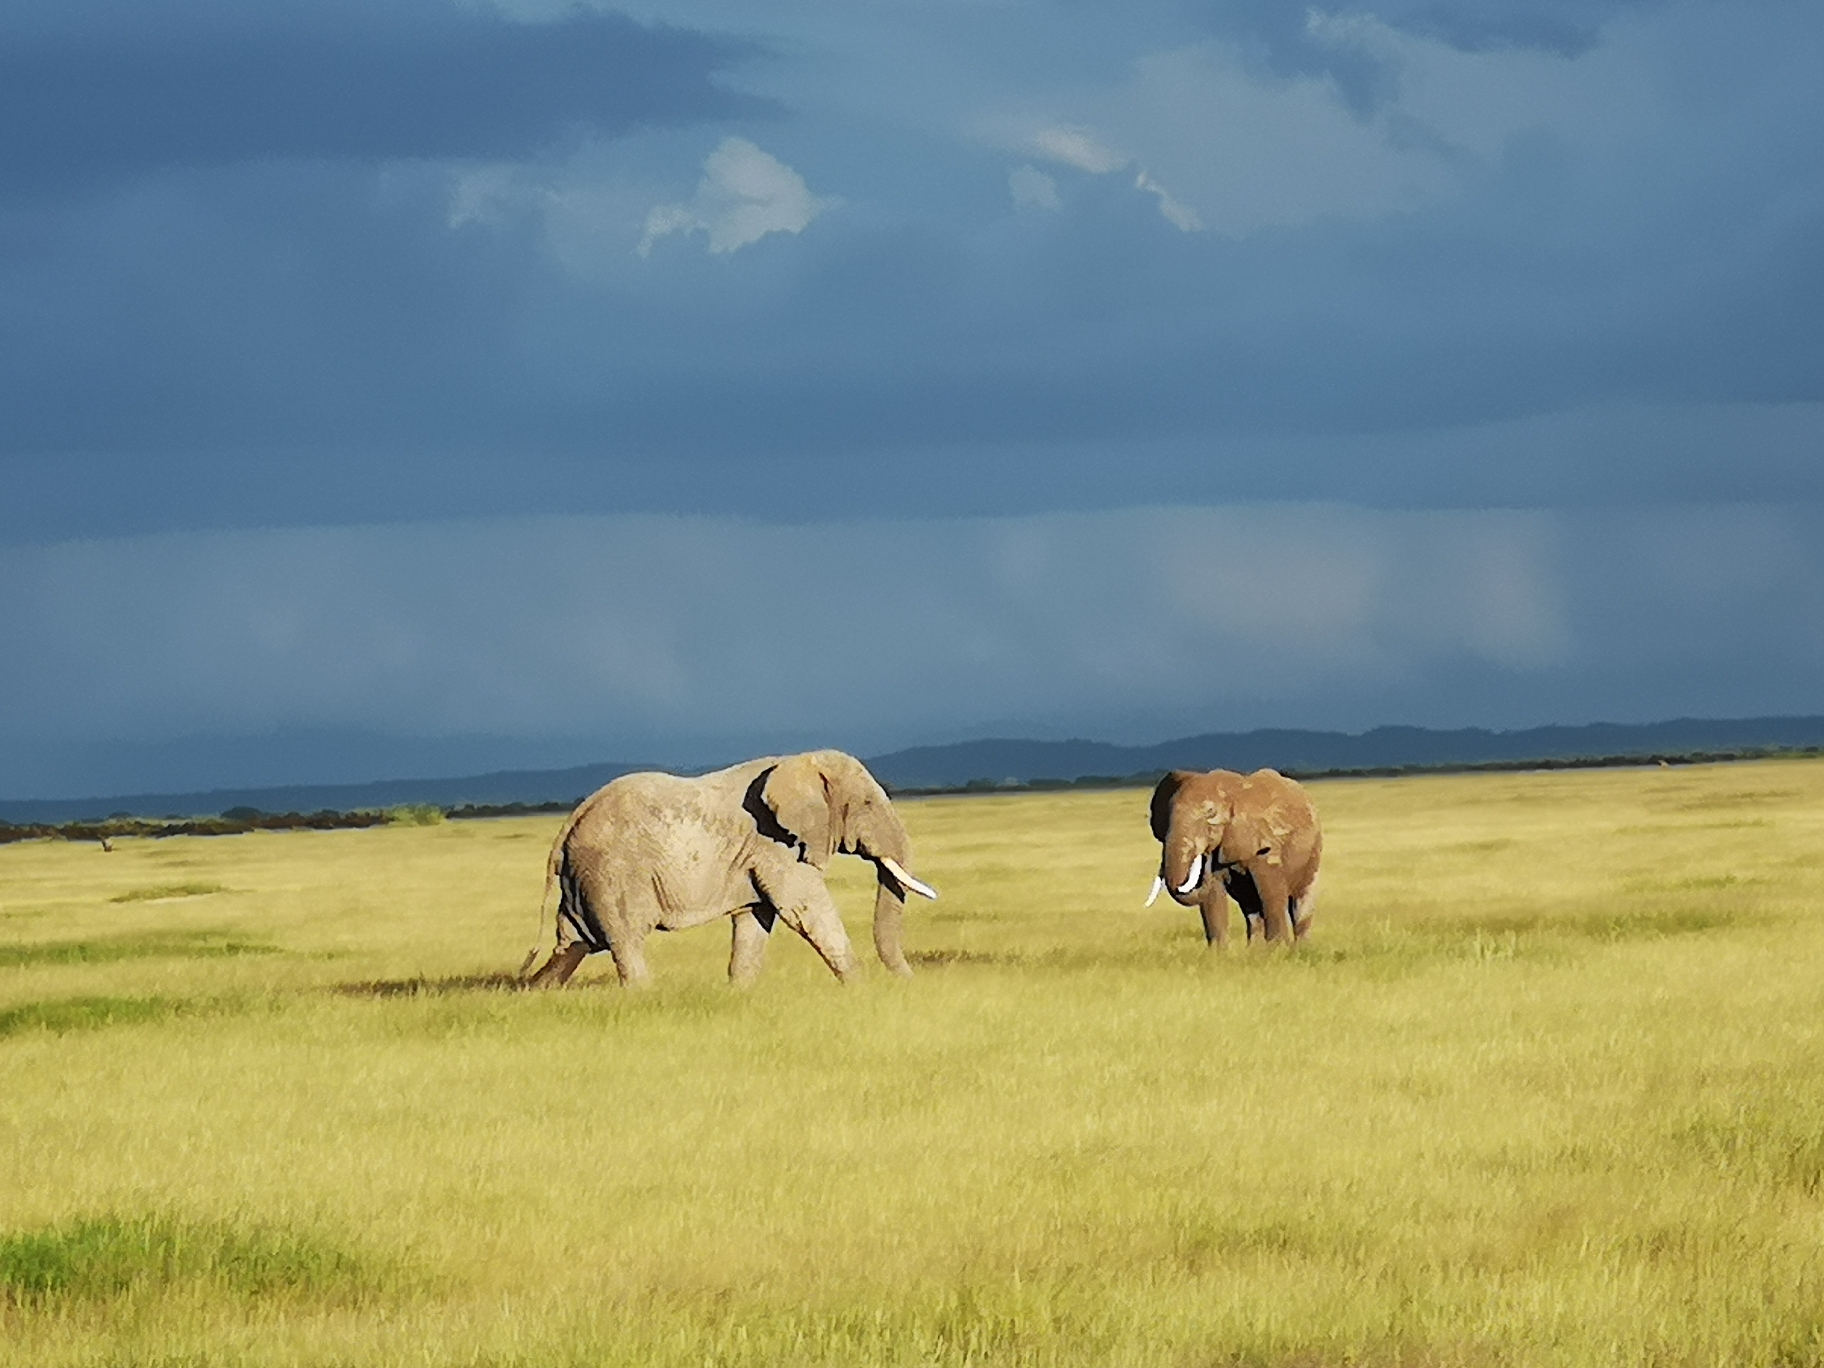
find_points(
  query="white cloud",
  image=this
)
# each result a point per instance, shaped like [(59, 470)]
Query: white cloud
[(745, 194), (1244, 149), (1076, 147), (1180, 216), (1083, 150), (1032, 187), (479, 193)]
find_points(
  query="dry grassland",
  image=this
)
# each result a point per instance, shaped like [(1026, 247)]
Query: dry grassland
[(1547, 1087)]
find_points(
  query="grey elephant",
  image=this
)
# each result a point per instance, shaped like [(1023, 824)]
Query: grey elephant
[(655, 852), (1254, 838)]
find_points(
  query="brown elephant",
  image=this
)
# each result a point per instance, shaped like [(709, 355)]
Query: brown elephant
[(654, 852), (1253, 838)]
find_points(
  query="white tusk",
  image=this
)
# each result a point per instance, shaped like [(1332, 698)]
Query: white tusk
[(1190, 880), (897, 870), (1158, 883)]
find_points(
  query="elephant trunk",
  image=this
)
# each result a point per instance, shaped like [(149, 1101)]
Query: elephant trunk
[(891, 850), (889, 922), (1185, 864)]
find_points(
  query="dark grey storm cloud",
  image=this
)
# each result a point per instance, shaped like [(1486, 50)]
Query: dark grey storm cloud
[(403, 238), (1290, 43), (96, 91)]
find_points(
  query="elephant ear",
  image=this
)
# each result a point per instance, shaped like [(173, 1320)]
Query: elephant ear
[(1162, 802), (797, 793), (857, 804)]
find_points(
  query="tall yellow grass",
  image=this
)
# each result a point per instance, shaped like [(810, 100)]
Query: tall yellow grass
[(1546, 1087)]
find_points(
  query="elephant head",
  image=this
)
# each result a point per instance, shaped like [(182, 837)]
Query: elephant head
[(829, 803), (1193, 816)]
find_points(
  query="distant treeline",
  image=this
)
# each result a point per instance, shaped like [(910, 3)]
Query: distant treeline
[(1147, 778), (239, 820), (512, 809), (234, 822)]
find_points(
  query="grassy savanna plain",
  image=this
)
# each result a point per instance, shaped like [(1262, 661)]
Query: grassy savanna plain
[(1546, 1087)]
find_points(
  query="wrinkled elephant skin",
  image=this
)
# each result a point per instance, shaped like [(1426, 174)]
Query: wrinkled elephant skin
[(655, 852), (1251, 838)]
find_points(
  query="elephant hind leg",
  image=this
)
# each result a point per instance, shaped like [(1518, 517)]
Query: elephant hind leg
[(556, 971), (601, 917), (578, 934), (629, 951), (749, 949), (1240, 886)]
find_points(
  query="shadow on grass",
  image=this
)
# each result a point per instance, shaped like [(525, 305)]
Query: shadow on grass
[(164, 892), (943, 959), (430, 987), (156, 945), (106, 1258), (1398, 947), (1143, 954), (1594, 926)]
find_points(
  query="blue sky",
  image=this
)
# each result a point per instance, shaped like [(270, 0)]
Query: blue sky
[(421, 386)]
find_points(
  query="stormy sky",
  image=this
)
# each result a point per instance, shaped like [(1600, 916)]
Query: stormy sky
[(423, 386)]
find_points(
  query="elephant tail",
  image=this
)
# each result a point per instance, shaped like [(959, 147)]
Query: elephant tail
[(553, 864)]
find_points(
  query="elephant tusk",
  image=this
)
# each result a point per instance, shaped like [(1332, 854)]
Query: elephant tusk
[(898, 871), (1191, 879), (1158, 883)]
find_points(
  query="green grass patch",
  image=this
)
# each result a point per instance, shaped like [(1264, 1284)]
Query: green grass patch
[(1765, 1143), (83, 1014), (111, 1257), (160, 945), (159, 892)]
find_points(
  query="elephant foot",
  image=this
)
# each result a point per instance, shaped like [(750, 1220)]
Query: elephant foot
[(635, 978)]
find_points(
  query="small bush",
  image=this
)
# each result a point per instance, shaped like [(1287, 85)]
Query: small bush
[(418, 814)]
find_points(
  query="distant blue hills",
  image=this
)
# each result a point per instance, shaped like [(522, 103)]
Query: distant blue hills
[(1319, 752), (1011, 763)]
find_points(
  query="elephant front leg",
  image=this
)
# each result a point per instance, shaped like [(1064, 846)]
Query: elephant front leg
[(1301, 909), (1215, 911), (805, 905), (820, 924), (749, 950)]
